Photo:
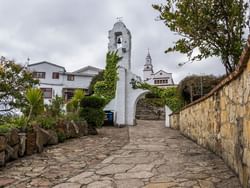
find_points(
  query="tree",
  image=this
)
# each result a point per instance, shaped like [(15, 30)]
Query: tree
[(14, 81), (107, 87), (193, 87), (96, 78), (74, 104), (35, 106), (55, 108), (214, 27)]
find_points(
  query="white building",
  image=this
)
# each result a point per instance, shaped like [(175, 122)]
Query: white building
[(124, 104), (160, 78), (54, 80)]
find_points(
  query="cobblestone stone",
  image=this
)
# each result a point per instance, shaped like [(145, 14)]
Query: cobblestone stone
[(154, 157), (64, 161)]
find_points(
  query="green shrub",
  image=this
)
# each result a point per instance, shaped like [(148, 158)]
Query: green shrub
[(92, 110), (55, 108), (170, 96), (94, 117), (19, 122), (61, 136), (71, 116), (35, 105), (5, 128), (96, 78), (158, 102), (93, 102), (152, 95), (46, 122), (107, 87), (74, 104)]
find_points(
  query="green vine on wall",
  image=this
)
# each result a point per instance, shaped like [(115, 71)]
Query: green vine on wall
[(170, 95), (107, 87)]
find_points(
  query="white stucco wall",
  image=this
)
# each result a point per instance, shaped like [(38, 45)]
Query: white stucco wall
[(167, 113), (48, 69), (78, 82)]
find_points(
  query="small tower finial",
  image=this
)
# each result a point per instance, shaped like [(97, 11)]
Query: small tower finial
[(119, 19), (148, 50)]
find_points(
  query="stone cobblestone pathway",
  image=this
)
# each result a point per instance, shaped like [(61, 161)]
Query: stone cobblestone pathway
[(155, 157), (60, 162)]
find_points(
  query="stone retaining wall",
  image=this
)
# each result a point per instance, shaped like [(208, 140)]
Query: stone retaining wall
[(220, 121)]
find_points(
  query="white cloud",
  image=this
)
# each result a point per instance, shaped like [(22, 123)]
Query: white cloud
[(74, 33)]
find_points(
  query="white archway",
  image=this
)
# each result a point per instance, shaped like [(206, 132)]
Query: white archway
[(126, 97)]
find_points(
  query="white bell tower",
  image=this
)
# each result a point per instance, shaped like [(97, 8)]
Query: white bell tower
[(120, 40)]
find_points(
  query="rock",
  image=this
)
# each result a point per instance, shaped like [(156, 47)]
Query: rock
[(11, 153), (139, 175), (13, 138), (142, 167), (3, 142), (100, 184), (92, 130), (114, 168), (2, 158), (22, 144), (72, 130), (31, 143), (83, 128), (160, 185), (82, 178), (67, 185), (208, 184), (53, 139), (40, 182), (6, 181), (8, 152), (42, 138), (133, 183)]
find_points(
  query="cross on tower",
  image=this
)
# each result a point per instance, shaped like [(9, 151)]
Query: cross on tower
[(119, 19)]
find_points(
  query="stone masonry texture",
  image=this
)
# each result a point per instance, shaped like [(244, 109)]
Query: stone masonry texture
[(221, 120), (154, 157)]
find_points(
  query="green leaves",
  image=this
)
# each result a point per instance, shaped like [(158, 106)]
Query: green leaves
[(92, 110), (14, 81), (211, 27), (107, 87), (34, 97), (74, 104), (169, 96)]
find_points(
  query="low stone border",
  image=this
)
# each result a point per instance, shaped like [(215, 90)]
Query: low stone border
[(15, 144)]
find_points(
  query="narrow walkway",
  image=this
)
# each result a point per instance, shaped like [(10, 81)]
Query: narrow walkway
[(155, 157), (60, 162)]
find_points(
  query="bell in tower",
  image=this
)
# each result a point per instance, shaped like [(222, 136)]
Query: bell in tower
[(120, 41)]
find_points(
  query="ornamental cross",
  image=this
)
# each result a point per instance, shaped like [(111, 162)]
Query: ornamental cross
[(119, 19)]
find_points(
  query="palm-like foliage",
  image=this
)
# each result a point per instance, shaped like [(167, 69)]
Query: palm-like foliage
[(34, 97)]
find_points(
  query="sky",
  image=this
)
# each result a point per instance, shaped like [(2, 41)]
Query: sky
[(74, 34)]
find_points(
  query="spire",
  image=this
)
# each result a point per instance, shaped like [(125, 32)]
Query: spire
[(148, 59)]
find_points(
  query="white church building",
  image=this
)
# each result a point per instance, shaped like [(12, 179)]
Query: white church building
[(160, 78), (55, 80), (124, 104)]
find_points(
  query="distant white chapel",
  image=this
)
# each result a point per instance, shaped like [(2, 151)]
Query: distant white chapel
[(160, 78)]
